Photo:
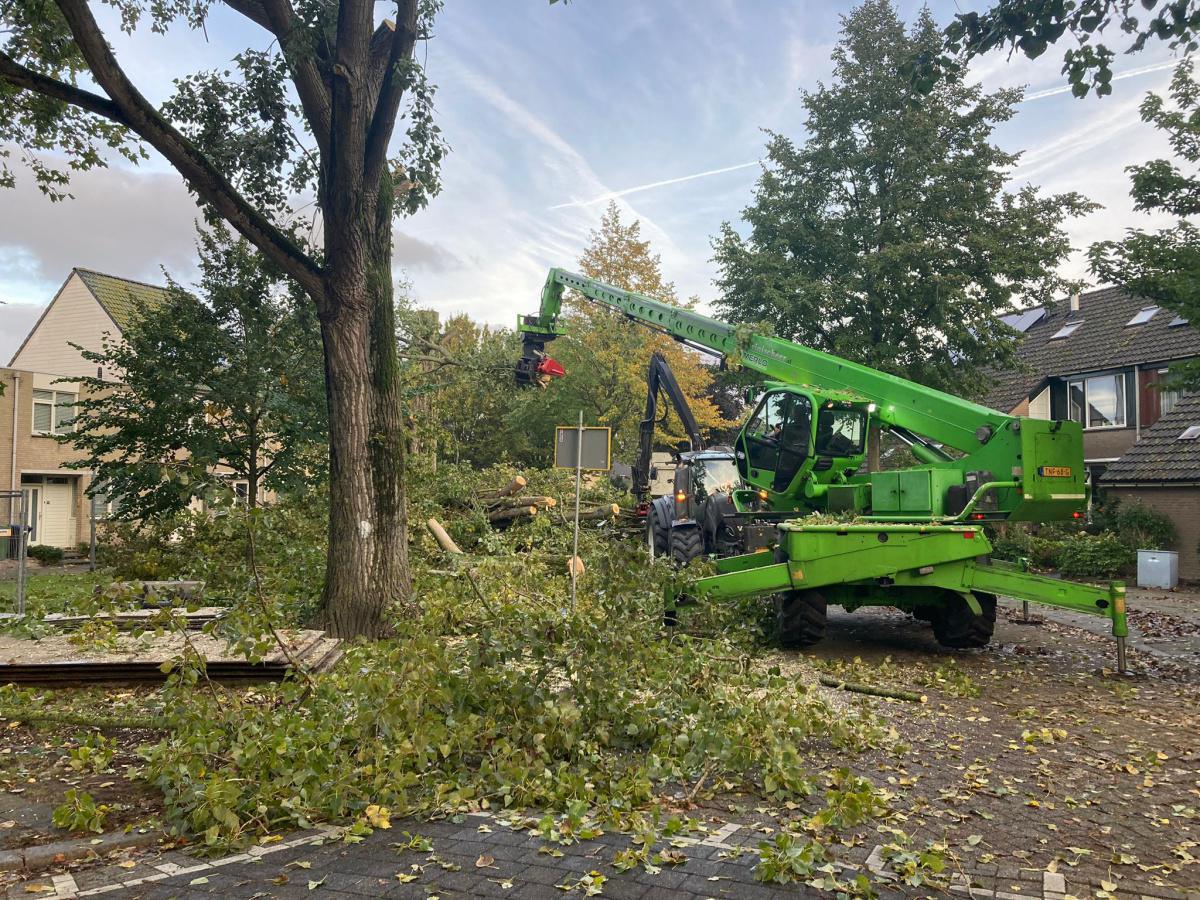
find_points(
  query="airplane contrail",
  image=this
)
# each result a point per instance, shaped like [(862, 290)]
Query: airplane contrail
[(613, 195), (1037, 95), (1131, 73)]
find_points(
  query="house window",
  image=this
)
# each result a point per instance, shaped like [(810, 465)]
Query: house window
[(241, 492), (1167, 398), (52, 411), (1098, 402)]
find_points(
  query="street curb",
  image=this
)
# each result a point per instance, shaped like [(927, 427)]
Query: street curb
[(45, 855)]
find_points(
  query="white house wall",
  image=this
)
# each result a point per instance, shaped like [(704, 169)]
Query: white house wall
[(74, 315)]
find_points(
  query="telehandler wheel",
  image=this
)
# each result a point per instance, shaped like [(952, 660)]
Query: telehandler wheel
[(659, 530), (801, 618), (686, 544), (956, 625)]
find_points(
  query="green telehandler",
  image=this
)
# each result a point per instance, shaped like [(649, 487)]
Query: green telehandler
[(909, 538)]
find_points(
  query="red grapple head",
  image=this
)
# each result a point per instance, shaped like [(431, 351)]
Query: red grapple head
[(551, 368)]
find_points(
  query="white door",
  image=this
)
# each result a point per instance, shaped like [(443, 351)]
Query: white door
[(54, 517)]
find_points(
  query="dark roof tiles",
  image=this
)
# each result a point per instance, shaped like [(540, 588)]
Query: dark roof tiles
[(1160, 456), (1104, 340)]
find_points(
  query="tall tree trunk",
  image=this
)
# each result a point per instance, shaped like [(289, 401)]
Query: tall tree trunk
[(367, 574)]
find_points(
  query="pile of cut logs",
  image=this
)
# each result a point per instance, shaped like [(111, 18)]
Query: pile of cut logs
[(508, 504)]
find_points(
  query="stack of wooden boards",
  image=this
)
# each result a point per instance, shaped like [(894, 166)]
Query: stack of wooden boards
[(61, 658)]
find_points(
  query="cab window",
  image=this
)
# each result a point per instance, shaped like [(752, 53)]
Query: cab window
[(777, 436), (715, 476), (840, 432)]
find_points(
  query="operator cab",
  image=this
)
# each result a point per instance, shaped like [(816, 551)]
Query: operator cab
[(783, 440)]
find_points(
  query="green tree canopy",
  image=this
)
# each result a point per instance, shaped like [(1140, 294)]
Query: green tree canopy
[(217, 388), (1164, 265), (1031, 26), (308, 143), (888, 237)]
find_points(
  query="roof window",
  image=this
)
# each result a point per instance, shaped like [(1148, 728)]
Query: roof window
[(1177, 321), (1144, 315), (1066, 331), (1191, 433)]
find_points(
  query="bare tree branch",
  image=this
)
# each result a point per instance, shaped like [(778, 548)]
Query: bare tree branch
[(142, 118), (391, 91), (278, 17), (12, 72)]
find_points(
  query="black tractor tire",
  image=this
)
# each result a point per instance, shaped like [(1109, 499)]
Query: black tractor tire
[(955, 624), (801, 618), (658, 530), (686, 544)]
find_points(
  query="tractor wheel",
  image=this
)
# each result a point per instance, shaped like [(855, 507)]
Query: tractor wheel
[(956, 625), (686, 545), (801, 618), (658, 530)]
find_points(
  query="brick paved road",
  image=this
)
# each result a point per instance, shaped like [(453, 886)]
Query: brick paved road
[(1019, 819), (515, 864)]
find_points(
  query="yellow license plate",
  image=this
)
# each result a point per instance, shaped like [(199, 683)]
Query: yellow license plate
[(1055, 471)]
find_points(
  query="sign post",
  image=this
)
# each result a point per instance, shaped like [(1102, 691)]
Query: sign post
[(579, 448)]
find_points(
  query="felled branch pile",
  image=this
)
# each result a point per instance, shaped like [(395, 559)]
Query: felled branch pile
[(507, 504)]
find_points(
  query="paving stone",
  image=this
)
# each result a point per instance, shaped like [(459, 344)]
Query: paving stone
[(537, 892), (620, 887), (668, 878), (540, 875)]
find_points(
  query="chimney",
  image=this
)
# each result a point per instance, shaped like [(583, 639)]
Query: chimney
[(1074, 301)]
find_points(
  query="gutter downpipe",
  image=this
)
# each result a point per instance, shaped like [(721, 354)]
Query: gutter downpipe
[(1137, 403), (12, 476)]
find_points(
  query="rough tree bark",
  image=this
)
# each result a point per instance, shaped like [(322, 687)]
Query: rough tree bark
[(350, 94)]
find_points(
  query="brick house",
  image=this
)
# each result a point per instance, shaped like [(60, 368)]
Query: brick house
[(37, 402), (1162, 470), (1097, 358)]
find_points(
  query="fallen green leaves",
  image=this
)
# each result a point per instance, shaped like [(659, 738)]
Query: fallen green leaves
[(500, 695)]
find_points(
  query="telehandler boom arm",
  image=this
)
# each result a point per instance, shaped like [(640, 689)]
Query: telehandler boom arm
[(921, 410), (1025, 469)]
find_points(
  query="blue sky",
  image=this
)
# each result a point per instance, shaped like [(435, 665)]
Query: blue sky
[(549, 110)]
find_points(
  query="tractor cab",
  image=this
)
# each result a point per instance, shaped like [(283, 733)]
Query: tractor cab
[(794, 433)]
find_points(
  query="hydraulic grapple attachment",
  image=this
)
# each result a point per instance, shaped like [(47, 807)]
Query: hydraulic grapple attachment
[(535, 367)]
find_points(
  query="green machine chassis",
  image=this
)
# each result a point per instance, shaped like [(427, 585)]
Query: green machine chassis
[(914, 540)]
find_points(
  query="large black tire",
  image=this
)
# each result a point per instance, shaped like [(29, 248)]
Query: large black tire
[(686, 544), (955, 624), (801, 618), (659, 530)]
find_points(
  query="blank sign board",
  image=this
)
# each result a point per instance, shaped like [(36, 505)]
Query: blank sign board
[(597, 448)]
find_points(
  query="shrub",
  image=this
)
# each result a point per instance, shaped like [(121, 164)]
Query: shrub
[(1014, 542), (45, 554), (1140, 527), (213, 547), (1095, 556)]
